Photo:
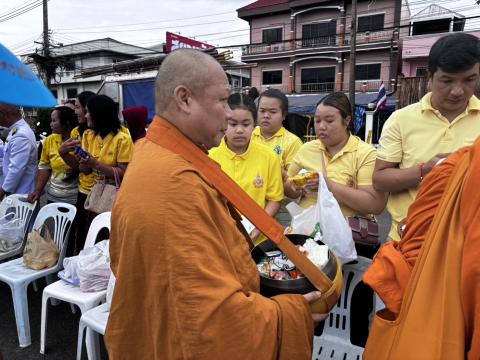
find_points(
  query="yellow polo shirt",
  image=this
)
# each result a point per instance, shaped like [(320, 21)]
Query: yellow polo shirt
[(257, 171), (352, 166), (415, 134), (75, 134), (63, 187), (111, 150), (284, 143), (83, 179)]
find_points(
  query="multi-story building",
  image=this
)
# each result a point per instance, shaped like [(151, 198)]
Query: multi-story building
[(303, 46), (71, 59), (426, 27)]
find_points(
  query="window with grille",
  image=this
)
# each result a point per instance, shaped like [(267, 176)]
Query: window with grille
[(368, 72), (421, 71), (319, 34), (371, 23), (272, 77), (270, 36), (318, 79)]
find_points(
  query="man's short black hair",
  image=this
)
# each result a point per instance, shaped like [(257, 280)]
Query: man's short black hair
[(276, 94), (454, 53)]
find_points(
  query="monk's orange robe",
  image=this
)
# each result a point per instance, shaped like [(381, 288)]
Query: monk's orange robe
[(390, 272), (187, 287)]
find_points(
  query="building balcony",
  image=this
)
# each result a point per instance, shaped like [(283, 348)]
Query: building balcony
[(326, 87), (326, 43)]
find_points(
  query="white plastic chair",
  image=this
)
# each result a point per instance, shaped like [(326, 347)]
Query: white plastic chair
[(18, 276), (19, 207), (334, 343), (62, 290), (95, 321)]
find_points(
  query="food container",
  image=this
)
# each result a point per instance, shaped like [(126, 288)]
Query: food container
[(271, 287)]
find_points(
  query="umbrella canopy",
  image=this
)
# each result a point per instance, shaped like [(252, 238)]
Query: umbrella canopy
[(19, 86)]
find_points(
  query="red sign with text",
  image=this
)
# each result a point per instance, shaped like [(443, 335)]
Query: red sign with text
[(175, 41)]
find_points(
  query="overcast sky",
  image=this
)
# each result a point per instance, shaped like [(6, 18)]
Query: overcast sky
[(144, 22)]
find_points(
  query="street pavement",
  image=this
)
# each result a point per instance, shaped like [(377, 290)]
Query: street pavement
[(62, 328)]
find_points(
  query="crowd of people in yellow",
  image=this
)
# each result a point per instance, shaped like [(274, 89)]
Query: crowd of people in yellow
[(184, 264)]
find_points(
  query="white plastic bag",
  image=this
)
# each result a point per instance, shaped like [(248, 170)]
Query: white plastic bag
[(336, 233), (110, 288), (303, 220), (94, 267), (11, 232), (70, 270)]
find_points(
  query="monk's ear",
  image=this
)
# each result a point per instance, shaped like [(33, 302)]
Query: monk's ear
[(182, 97)]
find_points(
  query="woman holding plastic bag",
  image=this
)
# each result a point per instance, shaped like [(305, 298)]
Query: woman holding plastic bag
[(345, 161), (347, 164)]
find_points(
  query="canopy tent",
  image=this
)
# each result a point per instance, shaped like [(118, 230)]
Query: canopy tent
[(306, 103)]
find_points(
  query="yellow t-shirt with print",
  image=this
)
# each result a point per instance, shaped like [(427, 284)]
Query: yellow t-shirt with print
[(257, 171), (284, 144), (111, 150), (63, 185), (352, 166), (416, 133)]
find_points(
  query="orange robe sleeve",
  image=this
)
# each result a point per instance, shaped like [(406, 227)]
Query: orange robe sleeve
[(470, 276), (186, 286), (391, 268)]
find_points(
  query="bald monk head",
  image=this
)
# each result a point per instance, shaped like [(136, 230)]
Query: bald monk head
[(191, 92)]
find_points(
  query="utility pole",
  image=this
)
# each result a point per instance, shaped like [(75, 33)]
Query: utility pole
[(353, 48), (46, 43)]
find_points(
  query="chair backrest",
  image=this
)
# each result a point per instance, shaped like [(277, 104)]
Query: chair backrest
[(100, 222), (338, 323), (62, 215), (18, 206)]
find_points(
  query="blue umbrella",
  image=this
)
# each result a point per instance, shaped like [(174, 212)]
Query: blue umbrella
[(19, 86)]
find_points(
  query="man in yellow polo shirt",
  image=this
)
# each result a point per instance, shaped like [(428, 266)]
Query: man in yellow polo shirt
[(416, 137), (272, 110)]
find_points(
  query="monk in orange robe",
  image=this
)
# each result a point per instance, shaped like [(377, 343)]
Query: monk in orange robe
[(392, 270), (186, 285)]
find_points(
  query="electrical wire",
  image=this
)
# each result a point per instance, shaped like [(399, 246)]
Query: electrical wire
[(18, 13)]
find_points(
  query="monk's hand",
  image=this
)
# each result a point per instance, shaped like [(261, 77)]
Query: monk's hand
[(430, 164), (311, 297)]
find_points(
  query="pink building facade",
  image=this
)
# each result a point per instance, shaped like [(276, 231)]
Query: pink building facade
[(415, 51), (302, 46)]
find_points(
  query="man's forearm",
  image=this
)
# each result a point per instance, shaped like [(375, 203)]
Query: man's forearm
[(395, 180)]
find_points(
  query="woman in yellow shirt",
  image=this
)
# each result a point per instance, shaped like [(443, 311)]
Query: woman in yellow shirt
[(349, 162), (108, 147), (253, 166), (63, 185)]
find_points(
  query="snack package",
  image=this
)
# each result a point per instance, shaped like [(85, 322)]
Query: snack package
[(276, 265), (302, 177)]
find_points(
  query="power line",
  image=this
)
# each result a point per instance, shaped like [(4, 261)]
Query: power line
[(14, 15), (18, 8), (145, 23), (253, 30), (145, 29)]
